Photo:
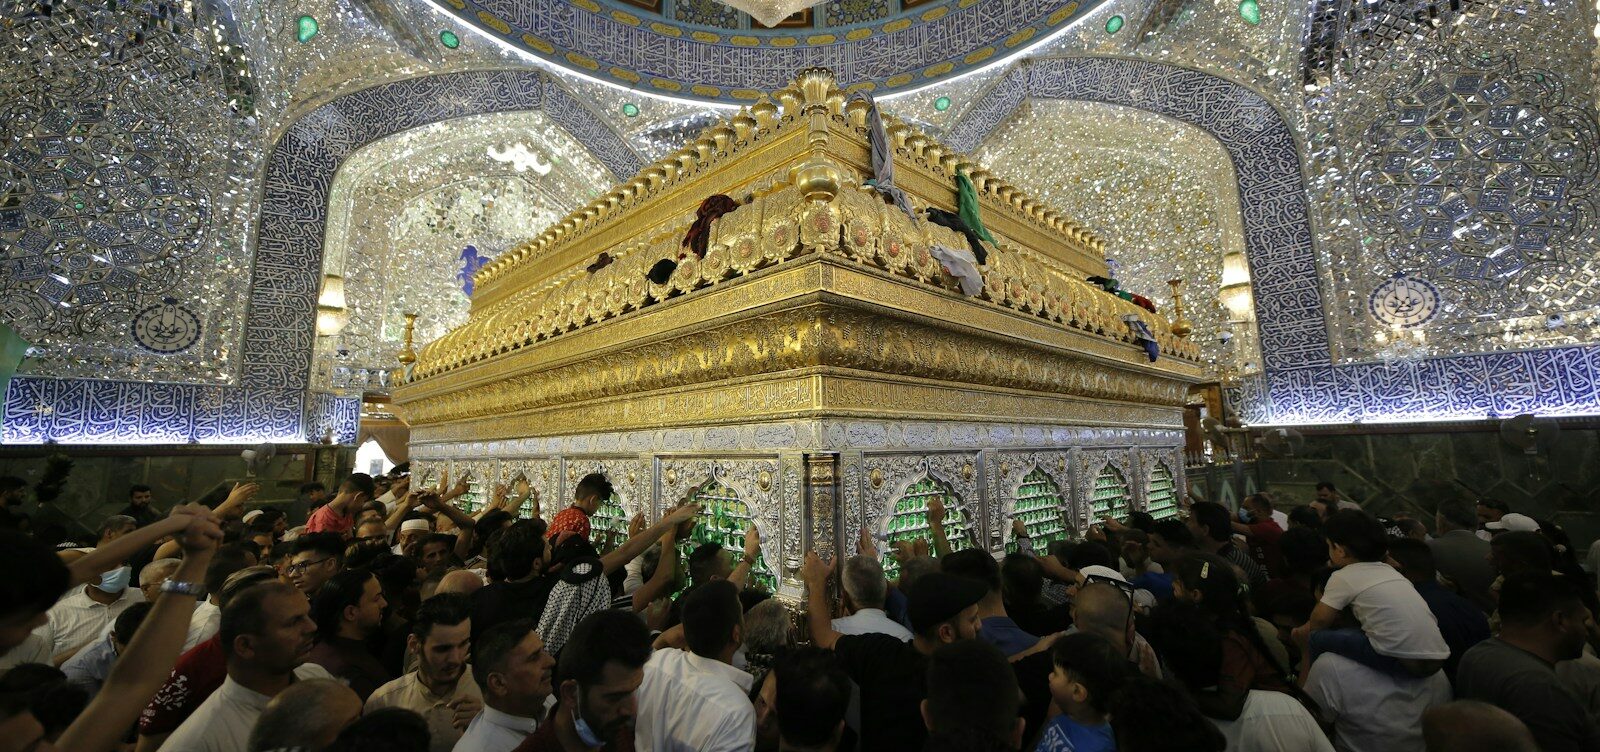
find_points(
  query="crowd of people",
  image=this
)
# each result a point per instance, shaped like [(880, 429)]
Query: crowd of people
[(393, 620)]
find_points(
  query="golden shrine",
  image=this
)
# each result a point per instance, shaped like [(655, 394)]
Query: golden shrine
[(818, 371)]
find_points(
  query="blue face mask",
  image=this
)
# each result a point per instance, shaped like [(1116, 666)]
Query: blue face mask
[(116, 580), (585, 734), (1244, 515)]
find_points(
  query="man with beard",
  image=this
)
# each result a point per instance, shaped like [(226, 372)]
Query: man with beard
[(441, 690), (600, 671), (267, 633), (138, 508)]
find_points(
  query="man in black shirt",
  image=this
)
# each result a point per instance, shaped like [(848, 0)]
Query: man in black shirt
[(893, 674), (139, 506)]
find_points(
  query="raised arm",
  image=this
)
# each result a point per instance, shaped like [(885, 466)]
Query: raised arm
[(636, 545), (241, 494), (437, 504), (112, 554), (402, 507), (147, 661), (752, 549), (941, 544), (819, 617), (660, 583)]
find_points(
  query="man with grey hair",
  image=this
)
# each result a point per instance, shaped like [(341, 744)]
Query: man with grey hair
[(865, 590), (308, 715), (1460, 555), (154, 574)]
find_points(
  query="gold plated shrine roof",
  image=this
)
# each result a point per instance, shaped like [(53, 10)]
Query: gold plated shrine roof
[(815, 298)]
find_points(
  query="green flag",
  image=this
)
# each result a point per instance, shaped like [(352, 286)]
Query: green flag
[(967, 202)]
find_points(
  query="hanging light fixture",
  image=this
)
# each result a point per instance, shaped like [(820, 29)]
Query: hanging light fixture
[(1235, 292), (331, 314), (771, 12)]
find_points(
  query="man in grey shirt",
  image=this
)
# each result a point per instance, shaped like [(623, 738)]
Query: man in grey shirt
[(1460, 555), (1542, 620)]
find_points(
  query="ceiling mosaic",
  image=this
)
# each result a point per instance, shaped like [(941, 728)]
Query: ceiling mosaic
[(410, 213), (705, 50)]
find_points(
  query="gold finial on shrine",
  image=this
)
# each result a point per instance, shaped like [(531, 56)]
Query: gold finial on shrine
[(408, 353), (1181, 326)]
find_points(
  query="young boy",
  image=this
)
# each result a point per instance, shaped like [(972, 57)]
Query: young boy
[(1398, 631), (1087, 672)]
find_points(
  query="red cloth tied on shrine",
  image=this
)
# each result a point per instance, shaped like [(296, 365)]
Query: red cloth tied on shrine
[(698, 236)]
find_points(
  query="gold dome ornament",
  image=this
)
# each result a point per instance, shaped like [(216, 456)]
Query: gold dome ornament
[(1182, 327)]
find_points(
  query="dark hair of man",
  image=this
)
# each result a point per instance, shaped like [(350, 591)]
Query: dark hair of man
[(246, 612), (1263, 499), (813, 695), (377, 507), (1360, 534), (1188, 642), (45, 692), (1141, 521), (604, 637), (1222, 599), (338, 593), (490, 522), (1529, 598), (1326, 486), (360, 483), (1305, 516), (711, 613), (1150, 715), (443, 609), (490, 649), (47, 578), (327, 544), (973, 564), (395, 573), (306, 488), (1304, 550), (515, 551), (1174, 533), (1089, 554), (1495, 504), (970, 683), (139, 488), (9, 483), (129, 620), (226, 561), (1021, 579), (1523, 551), (1212, 518), (1458, 513), (384, 730), (704, 561), (593, 486), (1093, 662), (1415, 557), (435, 539)]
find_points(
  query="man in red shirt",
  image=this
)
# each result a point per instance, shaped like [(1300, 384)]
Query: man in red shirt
[(592, 490), (339, 515), (1261, 532)]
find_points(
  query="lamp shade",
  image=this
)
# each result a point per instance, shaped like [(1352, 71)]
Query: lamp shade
[(332, 292), (771, 12)]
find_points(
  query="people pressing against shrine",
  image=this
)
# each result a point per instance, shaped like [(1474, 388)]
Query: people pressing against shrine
[(695, 698), (591, 492), (1261, 531), (1398, 632), (1212, 526), (348, 611), (1248, 661), (994, 625)]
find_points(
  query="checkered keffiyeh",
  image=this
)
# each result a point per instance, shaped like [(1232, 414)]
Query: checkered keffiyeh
[(583, 590)]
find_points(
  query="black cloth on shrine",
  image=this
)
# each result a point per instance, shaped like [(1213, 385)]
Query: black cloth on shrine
[(946, 219), (699, 233)]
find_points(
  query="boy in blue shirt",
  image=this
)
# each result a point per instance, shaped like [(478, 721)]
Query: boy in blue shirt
[(1087, 672)]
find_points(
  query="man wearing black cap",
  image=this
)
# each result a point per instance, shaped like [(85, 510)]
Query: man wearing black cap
[(893, 674)]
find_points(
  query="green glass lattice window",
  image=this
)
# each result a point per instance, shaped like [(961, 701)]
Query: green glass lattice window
[(477, 493), (1163, 495), (1039, 508), (910, 520), (722, 520), (610, 517), (1110, 495)]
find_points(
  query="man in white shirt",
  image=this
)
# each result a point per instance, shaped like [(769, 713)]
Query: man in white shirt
[(88, 612), (515, 673), (1371, 710), (266, 634), (865, 590), (697, 700), (441, 690)]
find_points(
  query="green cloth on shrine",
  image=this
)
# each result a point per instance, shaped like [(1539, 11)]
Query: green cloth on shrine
[(967, 202)]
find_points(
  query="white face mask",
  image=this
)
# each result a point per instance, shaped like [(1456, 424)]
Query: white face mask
[(116, 580), (585, 733)]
